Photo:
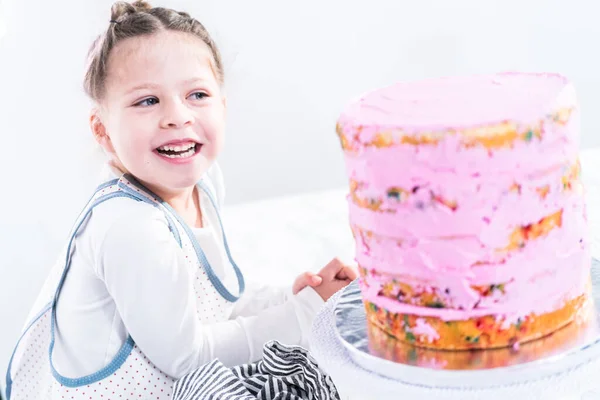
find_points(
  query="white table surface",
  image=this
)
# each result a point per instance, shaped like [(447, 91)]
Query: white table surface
[(282, 237)]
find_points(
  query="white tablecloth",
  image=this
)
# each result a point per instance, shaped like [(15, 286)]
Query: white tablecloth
[(279, 238)]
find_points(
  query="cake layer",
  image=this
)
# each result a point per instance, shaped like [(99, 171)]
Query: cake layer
[(485, 331), (519, 160), (469, 247), (494, 136), (388, 347), (456, 298), (459, 104), (565, 232), (493, 224), (446, 275), (444, 206)]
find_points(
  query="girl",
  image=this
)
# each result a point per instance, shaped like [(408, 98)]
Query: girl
[(146, 290)]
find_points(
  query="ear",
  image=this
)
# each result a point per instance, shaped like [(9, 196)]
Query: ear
[(99, 131)]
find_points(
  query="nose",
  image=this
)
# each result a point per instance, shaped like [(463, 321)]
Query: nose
[(176, 114)]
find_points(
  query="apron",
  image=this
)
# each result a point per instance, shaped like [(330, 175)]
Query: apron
[(130, 375)]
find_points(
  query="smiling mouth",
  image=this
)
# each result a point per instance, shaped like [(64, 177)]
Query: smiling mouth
[(179, 151)]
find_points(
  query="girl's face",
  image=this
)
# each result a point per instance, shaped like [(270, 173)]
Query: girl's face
[(162, 117)]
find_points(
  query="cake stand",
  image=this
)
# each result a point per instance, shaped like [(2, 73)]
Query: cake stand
[(366, 363)]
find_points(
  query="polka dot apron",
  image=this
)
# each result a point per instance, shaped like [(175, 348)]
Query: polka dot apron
[(31, 373)]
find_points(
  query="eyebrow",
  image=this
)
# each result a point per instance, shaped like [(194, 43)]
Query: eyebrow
[(140, 87), (194, 80), (153, 86)]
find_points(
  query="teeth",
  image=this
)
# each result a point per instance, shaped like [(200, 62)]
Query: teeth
[(188, 153), (178, 148)]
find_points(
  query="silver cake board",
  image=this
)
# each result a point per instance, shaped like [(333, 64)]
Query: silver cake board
[(373, 350)]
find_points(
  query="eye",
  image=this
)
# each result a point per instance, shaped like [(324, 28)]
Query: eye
[(150, 101), (198, 95)]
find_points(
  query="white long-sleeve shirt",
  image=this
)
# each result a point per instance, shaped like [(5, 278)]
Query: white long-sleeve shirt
[(128, 276)]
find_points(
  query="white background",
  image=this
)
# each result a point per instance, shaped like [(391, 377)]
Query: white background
[(291, 67)]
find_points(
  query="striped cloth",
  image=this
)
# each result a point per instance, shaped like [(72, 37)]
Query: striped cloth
[(284, 373)]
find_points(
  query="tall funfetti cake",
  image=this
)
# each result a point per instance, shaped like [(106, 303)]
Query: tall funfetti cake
[(467, 208)]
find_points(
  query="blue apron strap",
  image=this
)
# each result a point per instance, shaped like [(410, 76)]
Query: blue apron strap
[(48, 306), (140, 190), (238, 272), (100, 188), (129, 343)]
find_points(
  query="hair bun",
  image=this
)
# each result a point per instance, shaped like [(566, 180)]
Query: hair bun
[(142, 5), (122, 9)]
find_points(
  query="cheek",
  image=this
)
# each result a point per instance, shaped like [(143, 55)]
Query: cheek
[(217, 139), (129, 144), (122, 142), (214, 128)]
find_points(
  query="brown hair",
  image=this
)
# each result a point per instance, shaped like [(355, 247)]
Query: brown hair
[(135, 19)]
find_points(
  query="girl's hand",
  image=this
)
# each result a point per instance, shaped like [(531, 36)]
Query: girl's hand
[(336, 275), (304, 280)]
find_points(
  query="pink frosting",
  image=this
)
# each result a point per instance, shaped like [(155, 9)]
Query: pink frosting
[(452, 102), (420, 240)]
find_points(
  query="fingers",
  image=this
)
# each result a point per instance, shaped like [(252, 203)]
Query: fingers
[(330, 271), (315, 280), (352, 273), (332, 277), (336, 269), (329, 288), (347, 273), (304, 280)]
